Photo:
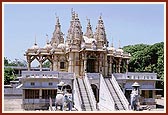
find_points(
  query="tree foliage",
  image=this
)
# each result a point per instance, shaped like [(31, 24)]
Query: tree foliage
[(46, 64), (9, 72), (16, 62), (8, 75), (147, 58)]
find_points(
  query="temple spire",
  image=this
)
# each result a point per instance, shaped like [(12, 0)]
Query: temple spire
[(89, 32), (57, 34), (112, 43), (47, 40), (35, 40), (72, 14), (75, 34), (57, 23), (100, 34), (119, 45)]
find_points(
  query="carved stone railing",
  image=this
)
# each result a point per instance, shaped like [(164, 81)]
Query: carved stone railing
[(106, 102), (120, 93), (77, 98), (136, 75), (47, 74), (90, 91)]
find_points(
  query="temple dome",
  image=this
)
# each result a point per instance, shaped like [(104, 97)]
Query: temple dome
[(89, 40), (111, 48), (48, 46), (35, 46), (54, 45), (120, 50), (61, 46)]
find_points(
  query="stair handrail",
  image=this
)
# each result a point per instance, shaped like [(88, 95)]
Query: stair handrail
[(76, 92), (108, 92), (120, 93), (90, 91)]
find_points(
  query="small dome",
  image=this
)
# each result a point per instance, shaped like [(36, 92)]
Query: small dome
[(35, 46), (111, 48), (83, 45), (120, 50), (48, 46), (52, 50), (89, 40), (61, 46), (54, 45)]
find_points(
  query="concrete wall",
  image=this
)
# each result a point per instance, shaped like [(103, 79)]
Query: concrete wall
[(12, 91)]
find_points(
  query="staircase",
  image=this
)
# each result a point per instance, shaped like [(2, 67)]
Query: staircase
[(117, 94), (86, 102)]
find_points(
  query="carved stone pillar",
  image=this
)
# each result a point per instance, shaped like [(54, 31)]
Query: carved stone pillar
[(55, 64), (105, 65), (84, 58), (29, 63), (119, 65), (29, 66), (71, 64), (100, 63), (40, 61), (110, 68), (85, 66), (41, 65), (127, 62), (51, 66), (82, 65)]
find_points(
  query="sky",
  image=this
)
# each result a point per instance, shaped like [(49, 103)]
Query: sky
[(128, 23)]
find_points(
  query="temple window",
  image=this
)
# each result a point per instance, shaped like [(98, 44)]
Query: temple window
[(32, 83), (46, 94), (50, 83), (62, 65), (31, 93), (150, 94)]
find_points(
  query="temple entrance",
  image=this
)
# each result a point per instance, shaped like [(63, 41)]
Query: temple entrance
[(95, 92), (91, 65)]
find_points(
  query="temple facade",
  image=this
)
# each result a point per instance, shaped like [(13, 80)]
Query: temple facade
[(94, 72), (80, 52)]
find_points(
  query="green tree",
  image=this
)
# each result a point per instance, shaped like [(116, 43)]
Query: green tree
[(8, 75), (9, 72), (147, 58), (5, 61), (46, 64)]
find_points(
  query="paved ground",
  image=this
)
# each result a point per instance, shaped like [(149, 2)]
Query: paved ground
[(160, 101), (13, 103)]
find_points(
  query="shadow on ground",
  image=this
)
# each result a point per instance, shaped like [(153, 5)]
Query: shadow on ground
[(159, 106)]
